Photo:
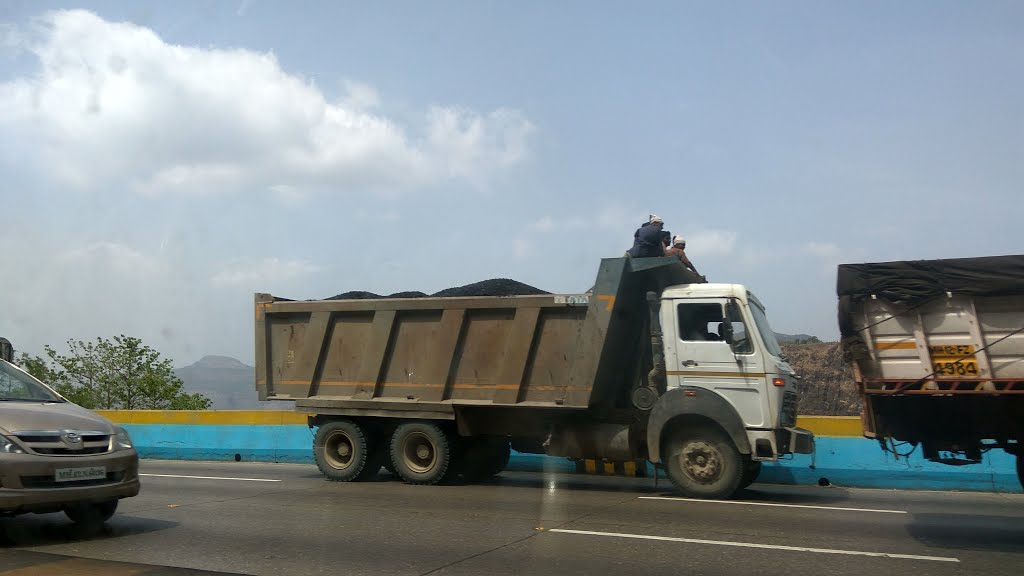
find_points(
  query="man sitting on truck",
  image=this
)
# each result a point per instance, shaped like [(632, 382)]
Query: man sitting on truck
[(647, 242), (679, 249)]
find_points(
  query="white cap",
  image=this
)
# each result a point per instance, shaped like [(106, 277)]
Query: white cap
[(655, 219), (678, 240)]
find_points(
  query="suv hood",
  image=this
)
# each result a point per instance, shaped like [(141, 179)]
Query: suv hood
[(19, 416)]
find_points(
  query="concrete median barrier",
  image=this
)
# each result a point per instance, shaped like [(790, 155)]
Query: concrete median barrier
[(843, 456)]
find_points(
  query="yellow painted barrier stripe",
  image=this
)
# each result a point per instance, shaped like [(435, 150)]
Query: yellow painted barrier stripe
[(820, 425), (629, 468), (832, 425), (206, 417)]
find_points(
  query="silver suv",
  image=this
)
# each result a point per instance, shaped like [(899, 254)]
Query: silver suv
[(57, 456)]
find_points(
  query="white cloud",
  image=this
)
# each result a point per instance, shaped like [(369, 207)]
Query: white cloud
[(113, 105), (266, 271), (115, 256)]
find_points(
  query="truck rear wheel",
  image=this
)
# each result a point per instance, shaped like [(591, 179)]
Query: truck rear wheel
[(485, 458), (343, 453), (422, 453), (703, 462)]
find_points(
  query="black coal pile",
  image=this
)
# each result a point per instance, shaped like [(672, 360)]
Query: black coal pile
[(492, 287), (412, 294), (354, 295)]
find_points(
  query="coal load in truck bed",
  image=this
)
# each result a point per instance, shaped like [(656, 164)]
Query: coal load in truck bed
[(493, 287)]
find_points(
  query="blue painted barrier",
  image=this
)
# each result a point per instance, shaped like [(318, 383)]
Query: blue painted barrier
[(842, 461)]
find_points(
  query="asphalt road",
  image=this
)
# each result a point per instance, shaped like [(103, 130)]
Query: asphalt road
[(278, 519)]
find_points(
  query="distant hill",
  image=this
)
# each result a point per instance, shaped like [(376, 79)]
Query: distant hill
[(795, 338), (230, 384)]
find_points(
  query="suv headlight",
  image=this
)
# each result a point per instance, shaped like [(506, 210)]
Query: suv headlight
[(122, 441), (8, 447)]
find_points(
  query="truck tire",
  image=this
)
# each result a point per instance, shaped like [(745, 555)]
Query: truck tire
[(91, 514), (485, 458), (703, 462), (422, 453), (343, 452), (751, 470)]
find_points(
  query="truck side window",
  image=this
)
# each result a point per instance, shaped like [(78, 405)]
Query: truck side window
[(740, 342), (700, 322)]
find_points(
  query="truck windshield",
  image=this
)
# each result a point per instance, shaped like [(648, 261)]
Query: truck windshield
[(17, 386), (763, 328)]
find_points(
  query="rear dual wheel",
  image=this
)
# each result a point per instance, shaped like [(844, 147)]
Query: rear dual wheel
[(423, 453), (344, 452), (485, 458)]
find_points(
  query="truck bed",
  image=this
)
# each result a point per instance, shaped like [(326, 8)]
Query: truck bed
[(558, 351)]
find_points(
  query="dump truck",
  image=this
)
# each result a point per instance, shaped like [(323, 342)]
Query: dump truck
[(652, 363), (937, 349)]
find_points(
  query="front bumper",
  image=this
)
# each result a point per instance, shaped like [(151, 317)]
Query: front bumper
[(25, 484), (801, 441)]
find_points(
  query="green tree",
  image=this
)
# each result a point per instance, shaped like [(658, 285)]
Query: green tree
[(120, 373)]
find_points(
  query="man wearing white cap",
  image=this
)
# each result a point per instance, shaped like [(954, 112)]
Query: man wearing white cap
[(679, 249), (647, 239)]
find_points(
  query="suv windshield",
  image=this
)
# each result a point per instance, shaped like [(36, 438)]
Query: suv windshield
[(763, 328), (16, 385)]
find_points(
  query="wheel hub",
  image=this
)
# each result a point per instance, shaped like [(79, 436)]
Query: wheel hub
[(419, 454), (700, 461), (339, 450)]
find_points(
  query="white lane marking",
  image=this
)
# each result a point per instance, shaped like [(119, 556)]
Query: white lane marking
[(209, 477), (742, 503), (764, 546)]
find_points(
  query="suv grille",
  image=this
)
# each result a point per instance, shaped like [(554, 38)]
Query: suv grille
[(789, 404), (62, 442)]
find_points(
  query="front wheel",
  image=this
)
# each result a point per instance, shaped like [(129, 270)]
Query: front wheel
[(92, 514), (703, 462)]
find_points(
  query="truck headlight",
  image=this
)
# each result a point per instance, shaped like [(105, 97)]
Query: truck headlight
[(122, 441), (8, 447)]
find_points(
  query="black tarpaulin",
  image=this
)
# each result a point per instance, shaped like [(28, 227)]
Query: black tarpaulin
[(917, 281)]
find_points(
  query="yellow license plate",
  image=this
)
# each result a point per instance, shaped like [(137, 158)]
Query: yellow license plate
[(954, 360)]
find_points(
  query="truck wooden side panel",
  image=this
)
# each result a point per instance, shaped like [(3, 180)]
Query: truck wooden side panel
[(553, 350)]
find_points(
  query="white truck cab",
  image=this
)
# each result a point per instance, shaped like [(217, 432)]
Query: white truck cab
[(717, 337)]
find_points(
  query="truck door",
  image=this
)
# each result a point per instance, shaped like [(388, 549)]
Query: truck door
[(704, 352)]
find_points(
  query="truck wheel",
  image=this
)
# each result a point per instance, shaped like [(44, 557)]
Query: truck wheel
[(485, 458), (703, 463), (91, 514), (421, 453), (751, 470), (342, 452)]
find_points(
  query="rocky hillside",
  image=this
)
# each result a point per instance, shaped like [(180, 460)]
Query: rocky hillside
[(826, 387)]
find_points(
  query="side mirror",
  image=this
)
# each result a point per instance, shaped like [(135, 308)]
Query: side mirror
[(727, 331)]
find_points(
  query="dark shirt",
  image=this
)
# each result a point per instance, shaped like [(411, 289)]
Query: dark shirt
[(647, 242)]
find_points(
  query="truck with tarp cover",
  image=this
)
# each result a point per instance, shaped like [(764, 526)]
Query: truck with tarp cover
[(937, 348), (651, 364)]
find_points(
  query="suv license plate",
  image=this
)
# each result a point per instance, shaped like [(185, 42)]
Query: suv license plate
[(75, 474)]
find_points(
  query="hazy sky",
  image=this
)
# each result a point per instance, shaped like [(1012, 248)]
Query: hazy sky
[(164, 161)]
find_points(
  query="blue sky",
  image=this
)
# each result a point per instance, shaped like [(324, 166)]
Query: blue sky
[(165, 161)]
